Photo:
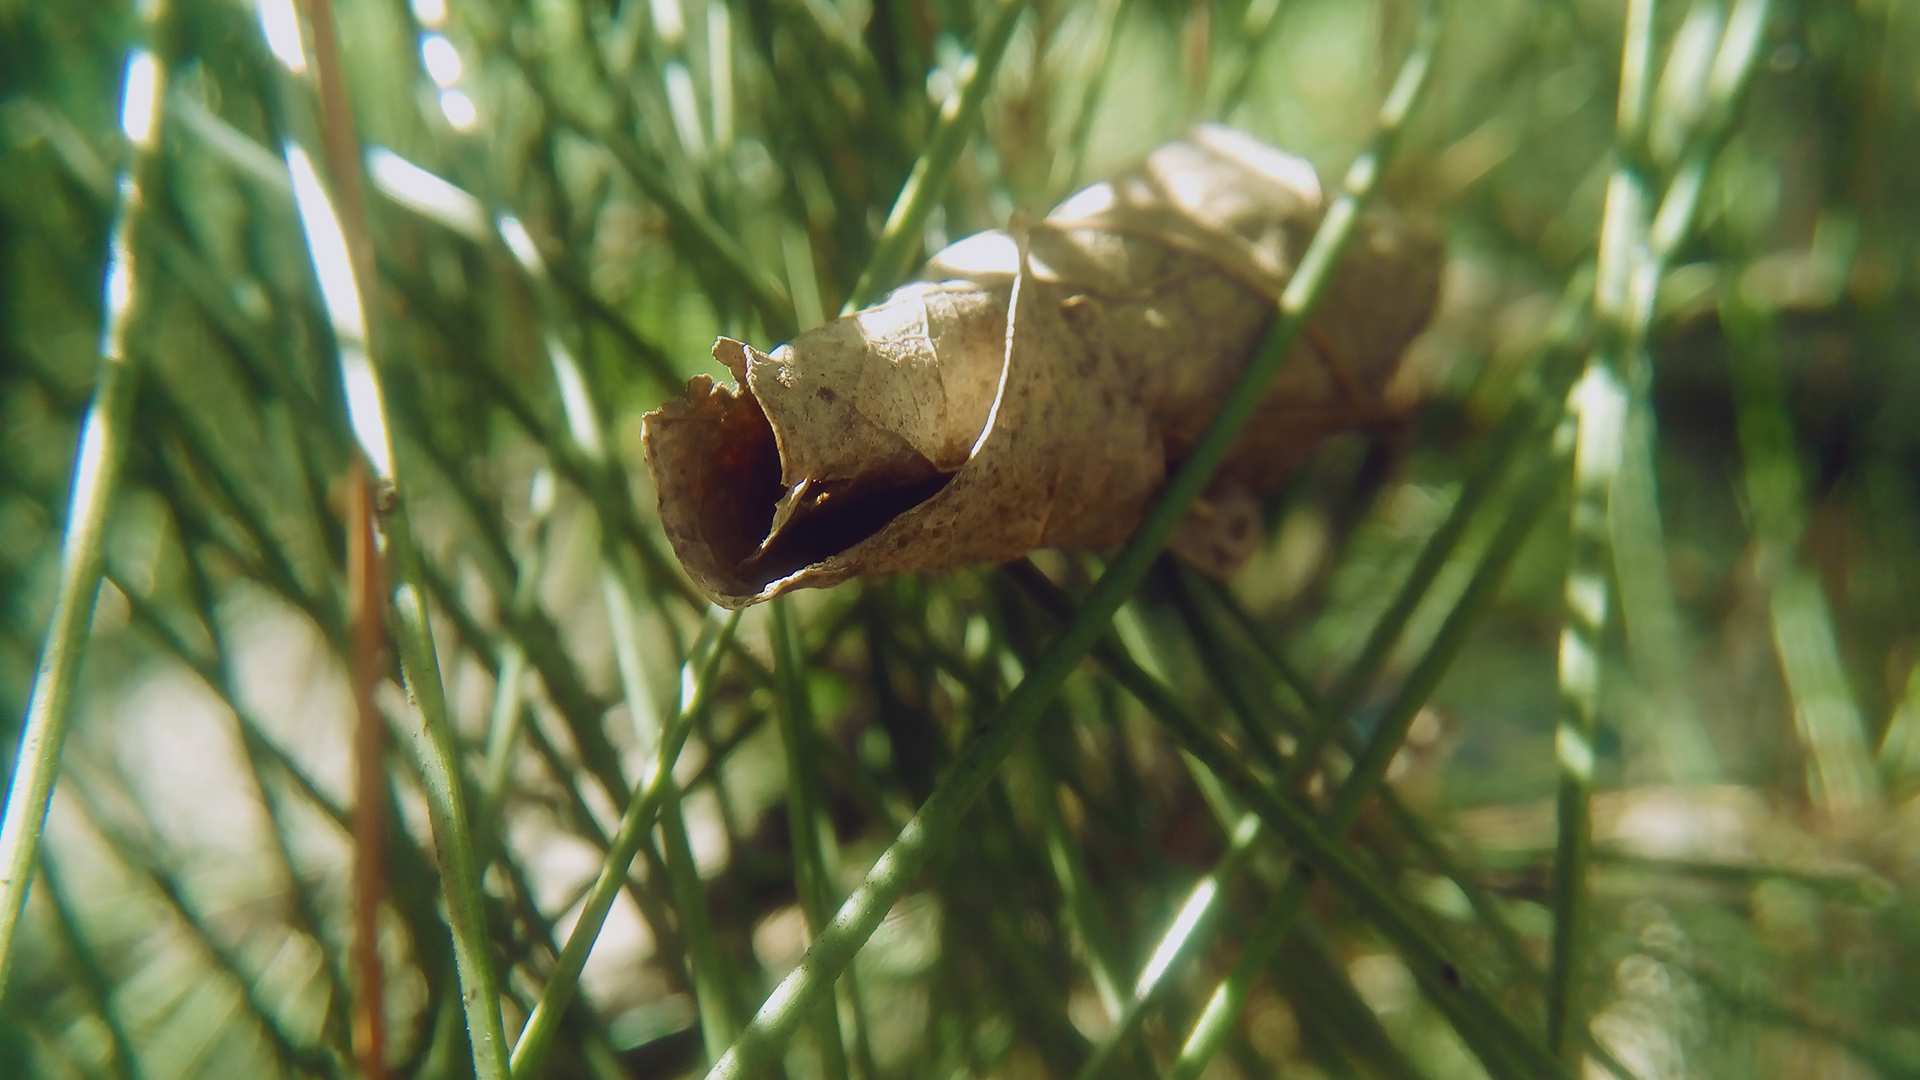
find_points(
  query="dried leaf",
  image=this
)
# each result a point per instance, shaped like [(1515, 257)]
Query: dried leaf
[(1034, 391)]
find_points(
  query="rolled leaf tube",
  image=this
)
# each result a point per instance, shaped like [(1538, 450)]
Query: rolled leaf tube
[(1033, 391)]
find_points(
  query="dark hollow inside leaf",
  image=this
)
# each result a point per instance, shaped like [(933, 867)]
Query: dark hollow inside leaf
[(837, 515)]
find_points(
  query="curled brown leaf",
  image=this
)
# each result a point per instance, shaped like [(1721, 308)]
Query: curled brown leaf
[(1035, 389)]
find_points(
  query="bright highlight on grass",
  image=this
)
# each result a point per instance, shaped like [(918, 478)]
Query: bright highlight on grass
[(442, 60), (459, 110), (280, 23), (141, 106), (331, 262), (425, 194)]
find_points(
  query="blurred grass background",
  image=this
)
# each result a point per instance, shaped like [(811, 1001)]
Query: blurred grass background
[(630, 179)]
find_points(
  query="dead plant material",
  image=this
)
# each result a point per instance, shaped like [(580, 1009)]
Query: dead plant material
[(366, 615), (1034, 391)]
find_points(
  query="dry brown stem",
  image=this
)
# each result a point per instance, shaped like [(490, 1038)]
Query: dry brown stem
[(366, 613)]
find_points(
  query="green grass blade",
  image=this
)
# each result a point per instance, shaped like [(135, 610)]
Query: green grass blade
[(1483, 1023), (122, 1061), (103, 443), (1368, 772), (1321, 989), (1599, 407), (927, 184), (1841, 778), (805, 822), (1636, 243), (543, 1024)]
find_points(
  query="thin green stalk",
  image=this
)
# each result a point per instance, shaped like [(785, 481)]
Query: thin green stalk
[(1262, 19), (1521, 428), (1636, 243), (504, 719), (713, 990), (223, 678), (1525, 424), (229, 493), (543, 1023), (1480, 1021), (122, 1062), (1319, 987), (446, 793), (834, 948), (1253, 722), (510, 710), (1368, 773), (218, 675), (927, 184), (1024, 974), (714, 994), (668, 942), (692, 224), (1018, 647), (1068, 163), (1421, 836), (524, 628), (102, 448), (1189, 927), (1083, 911), (1839, 770), (535, 637), (1599, 407), (1289, 675), (144, 855), (811, 874)]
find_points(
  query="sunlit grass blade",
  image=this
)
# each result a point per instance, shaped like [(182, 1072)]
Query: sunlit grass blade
[(1183, 935), (1598, 405), (635, 824), (1369, 770), (1422, 836), (1526, 424), (147, 857), (813, 878), (1492, 1033), (103, 442), (123, 1062), (1640, 233), (1320, 989), (925, 186)]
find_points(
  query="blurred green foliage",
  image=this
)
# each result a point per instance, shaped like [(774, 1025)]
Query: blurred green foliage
[(694, 167)]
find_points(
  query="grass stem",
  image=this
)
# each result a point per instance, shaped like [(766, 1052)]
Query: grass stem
[(96, 475)]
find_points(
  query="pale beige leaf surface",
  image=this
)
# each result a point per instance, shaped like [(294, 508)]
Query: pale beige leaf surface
[(1001, 407)]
